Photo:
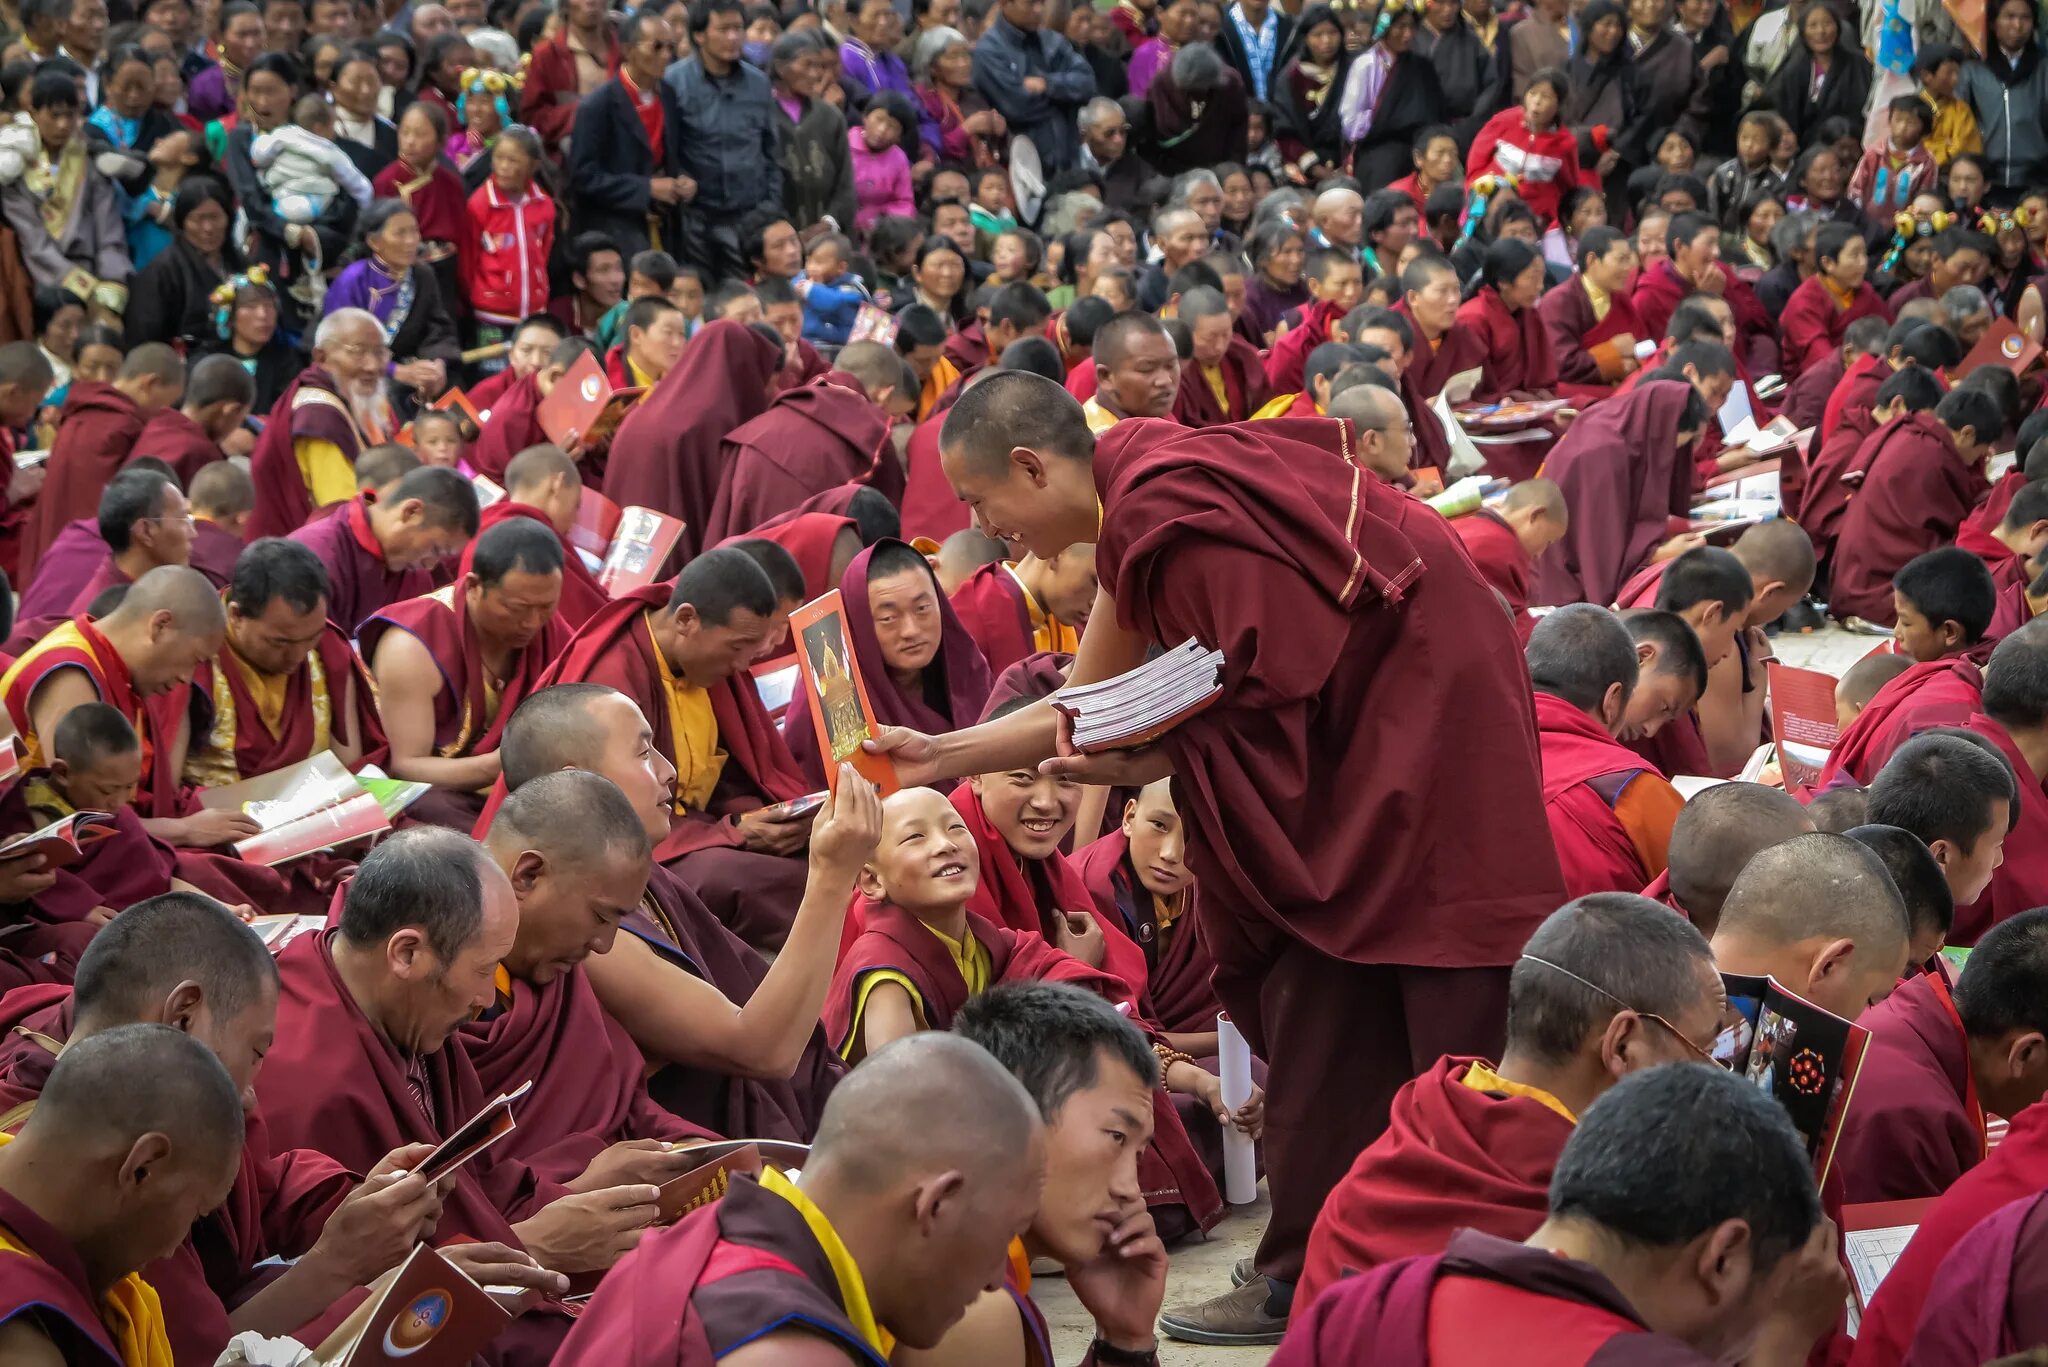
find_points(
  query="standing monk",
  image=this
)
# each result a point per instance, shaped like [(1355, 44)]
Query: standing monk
[(1340, 968), (187, 436), (330, 415), (384, 549)]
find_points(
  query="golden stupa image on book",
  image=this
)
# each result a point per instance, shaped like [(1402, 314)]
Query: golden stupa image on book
[(834, 693), (845, 724)]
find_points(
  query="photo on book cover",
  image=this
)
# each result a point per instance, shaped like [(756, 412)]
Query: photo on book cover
[(1791, 1049), (846, 719)]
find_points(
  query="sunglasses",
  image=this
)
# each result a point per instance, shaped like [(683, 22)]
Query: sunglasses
[(1595, 988)]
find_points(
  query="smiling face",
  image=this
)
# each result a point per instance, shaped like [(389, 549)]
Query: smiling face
[(926, 861), (1031, 811)]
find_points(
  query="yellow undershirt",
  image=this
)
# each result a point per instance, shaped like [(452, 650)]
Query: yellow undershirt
[(1843, 298), (1481, 1078), (1600, 299), (1047, 632), (328, 475), (1275, 407), (698, 760), (1212, 375), (638, 376), (853, 1288), (1100, 419), (969, 956), (268, 689)]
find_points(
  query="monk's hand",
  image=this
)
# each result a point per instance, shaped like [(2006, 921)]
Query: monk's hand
[(1124, 1285), (915, 755), (1677, 546), (767, 834), (376, 1226), (634, 1161), (591, 1230), (1080, 934), (501, 1265), (23, 878), (209, 827), (1109, 768), (846, 829), (101, 914), (1250, 1117), (1811, 1287)]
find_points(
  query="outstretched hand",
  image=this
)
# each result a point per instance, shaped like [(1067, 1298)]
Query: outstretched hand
[(915, 755), (1110, 768)]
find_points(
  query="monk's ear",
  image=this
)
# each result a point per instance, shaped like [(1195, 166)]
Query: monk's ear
[(938, 1196), (527, 871), (1030, 464), (1130, 815), (869, 881), (147, 1153), (1646, 657), (1613, 707), (2026, 1058), (1833, 958), (1726, 1262), (182, 1006), (408, 954)]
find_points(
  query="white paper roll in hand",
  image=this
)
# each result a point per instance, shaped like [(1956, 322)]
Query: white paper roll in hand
[(1240, 1162)]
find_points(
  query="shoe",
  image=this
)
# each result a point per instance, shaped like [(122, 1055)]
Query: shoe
[(1802, 617), (1242, 1271), (1235, 1318), (1863, 628)]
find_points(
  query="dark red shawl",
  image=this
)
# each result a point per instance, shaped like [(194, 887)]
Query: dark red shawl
[(1516, 345), (154, 719), (359, 583), (1915, 1126), (1856, 389), (809, 538), (95, 432), (1244, 383), (1593, 847), (312, 407), (1940, 692), (2021, 882), (66, 563), (1624, 480), (52, 1289), (109, 575), (812, 438), (172, 437), (930, 507), (214, 552), (1178, 993), (1990, 514), (1914, 496), (1832, 476), (510, 429), (1575, 336), (1502, 561), (582, 596), (463, 724), (1984, 1302), (1287, 360), (990, 603)]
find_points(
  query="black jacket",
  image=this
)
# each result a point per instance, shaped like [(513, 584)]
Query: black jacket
[(610, 163), (1232, 47), (817, 165)]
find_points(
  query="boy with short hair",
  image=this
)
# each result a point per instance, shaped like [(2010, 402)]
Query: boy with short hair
[(1888, 177), (1939, 67), (1505, 539), (1749, 171), (649, 273)]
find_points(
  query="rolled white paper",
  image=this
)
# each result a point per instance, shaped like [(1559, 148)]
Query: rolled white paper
[(1240, 1164)]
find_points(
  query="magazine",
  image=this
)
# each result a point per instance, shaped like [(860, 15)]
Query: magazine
[(836, 695), (1804, 1056)]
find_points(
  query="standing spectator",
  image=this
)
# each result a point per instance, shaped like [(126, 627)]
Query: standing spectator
[(868, 56), (1255, 40), (83, 38), (881, 170), (1390, 95), (370, 139), (2009, 92), (1035, 79), (566, 68), (619, 162), (1307, 115), (969, 133), (422, 178), (511, 231), (292, 252), (61, 208), (817, 171), (1198, 114), (1540, 42), (722, 139), (1665, 73), (1825, 78), (1464, 63)]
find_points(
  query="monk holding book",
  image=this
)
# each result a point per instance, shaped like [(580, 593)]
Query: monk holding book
[(384, 550)]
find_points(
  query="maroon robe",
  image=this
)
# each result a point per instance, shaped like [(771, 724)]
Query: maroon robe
[(1624, 480), (1177, 963), (1588, 367), (52, 1290), (1431, 365), (1914, 1126), (1502, 561), (1585, 770), (64, 567), (811, 439), (1287, 358), (582, 595), (95, 431), (1942, 692), (1453, 1157), (930, 507), (214, 551), (1985, 1302), (2021, 882), (1504, 1294), (1856, 389), (1915, 493), (809, 539), (109, 575), (1658, 293), (1805, 400), (359, 583), (312, 408), (511, 427), (1990, 514), (1832, 477), (667, 454), (2006, 565), (1244, 385), (1519, 360), (175, 439), (1813, 322), (992, 606), (218, 692)]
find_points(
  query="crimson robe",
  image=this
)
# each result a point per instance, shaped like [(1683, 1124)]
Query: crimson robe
[(1658, 293), (109, 575), (1080, 381), (1502, 561), (811, 439), (1805, 400), (1584, 773), (582, 595), (312, 408), (1832, 477), (228, 725), (1169, 1170), (1990, 514), (2021, 882), (991, 605), (1985, 1301), (809, 538), (667, 454), (1856, 389), (154, 719), (1453, 1157), (214, 551), (359, 582), (51, 1288), (1624, 480), (1587, 368), (2006, 565), (172, 437), (1287, 358), (1942, 692), (1914, 1125), (930, 507), (1432, 365), (511, 427), (1915, 494), (1812, 322), (65, 565), (1178, 993), (1244, 386), (1516, 345), (95, 431), (968, 350), (1500, 1296)]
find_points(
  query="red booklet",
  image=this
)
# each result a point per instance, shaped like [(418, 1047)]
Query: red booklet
[(838, 698), (583, 406), (64, 841), (427, 1313), (2002, 344), (633, 543), (1802, 721)]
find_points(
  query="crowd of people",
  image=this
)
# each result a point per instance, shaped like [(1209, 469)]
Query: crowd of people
[(1389, 350)]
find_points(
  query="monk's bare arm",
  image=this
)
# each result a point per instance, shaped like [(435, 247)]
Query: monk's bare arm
[(349, 751), (24, 1345), (887, 1016), (990, 1334), (408, 681), (53, 700)]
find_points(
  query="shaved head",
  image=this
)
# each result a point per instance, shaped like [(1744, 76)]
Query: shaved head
[(1718, 834), (1113, 339), (1778, 550), (1013, 408), (1815, 886), (1860, 682), (1537, 493), (141, 956), (875, 365), (964, 552), (552, 729), (181, 591), (107, 1091), (569, 815), (992, 1122)]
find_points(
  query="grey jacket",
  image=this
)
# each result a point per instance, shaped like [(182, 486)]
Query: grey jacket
[(721, 133), (2012, 114), (1004, 57)]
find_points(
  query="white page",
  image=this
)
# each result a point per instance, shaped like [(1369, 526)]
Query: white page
[(1871, 1253)]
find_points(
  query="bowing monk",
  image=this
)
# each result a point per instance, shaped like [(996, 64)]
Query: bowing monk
[(1716, 835), (1506, 539), (187, 436), (1607, 986), (319, 427), (1961, 802), (1671, 675), (25, 377), (680, 652), (96, 434), (543, 483), (452, 664), (1610, 811), (1860, 682), (512, 424), (573, 850), (1818, 913), (1018, 608), (2013, 717), (1922, 475), (1316, 377), (961, 554), (1943, 1059), (1593, 325), (1930, 907), (891, 1232), (385, 550), (2026, 470), (1836, 470), (1710, 591), (1224, 379), (1632, 1261), (1137, 371), (137, 1135), (221, 497), (734, 1042), (1302, 915), (1805, 400), (786, 577), (2010, 547), (835, 430)]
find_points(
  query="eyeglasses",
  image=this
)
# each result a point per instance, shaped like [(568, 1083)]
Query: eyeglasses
[(184, 520), (1682, 1037)]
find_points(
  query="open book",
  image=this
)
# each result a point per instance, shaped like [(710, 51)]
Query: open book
[(1803, 722), (64, 841), (1804, 1056), (425, 1313), (583, 406), (702, 1185), (835, 693), (629, 544), (1137, 708), (1874, 1234), (312, 805), (478, 1133)]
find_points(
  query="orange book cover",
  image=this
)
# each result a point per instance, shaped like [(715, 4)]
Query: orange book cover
[(838, 697), (467, 419), (1802, 722), (2002, 344), (64, 841), (583, 406), (427, 1313)]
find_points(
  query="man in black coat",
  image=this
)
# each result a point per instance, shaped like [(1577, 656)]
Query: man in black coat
[(622, 179), (1256, 40)]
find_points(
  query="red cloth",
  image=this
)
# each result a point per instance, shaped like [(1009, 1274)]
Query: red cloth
[(1244, 384), (991, 604), (1658, 293), (510, 429), (547, 102), (64, 567), (1178, 994), (1545, 165), (172, 437), (1813, 322), (221, 695), (52, 1290), (1584, 771), (812, 438), (214, 552), (930, 507), (108, 576), (1624, 480), (311, 408), (1805, 401), (667, 454), (1567, 315), (1986, 1297), (1832, 477), (1991, 512), (2021, 882), (1287, 360), (1942, 692), (1915, 494), (505, 266), (359, 583), (1516, 345), (1429, 370), (809, 538), (95, 431), (582, 596), (1643, 586), (1502, 561), (1452, 1158), (437, 205), (1915, 1126), (1856, 389), (464, 724), (2005, 564)]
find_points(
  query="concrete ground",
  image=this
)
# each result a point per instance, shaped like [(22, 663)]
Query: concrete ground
[(1200, 1270)]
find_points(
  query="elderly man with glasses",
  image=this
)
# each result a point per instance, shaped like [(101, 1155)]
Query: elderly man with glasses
[(1128, 182)]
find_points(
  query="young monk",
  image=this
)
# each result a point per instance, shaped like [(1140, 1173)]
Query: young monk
[(1711, 592), (221, 497), (1137, 371), (512, 424), (385, 551), (1610, 812), (1923, 474), (1335, 283), (2016, 542), (1473, 1146), (1818, 913), (543, 483), (1017, 608), (187, 437), (960, 555), (1959, 800), (652, 334), (1506, 540), (1592, 323), (1943, 1061), (1713, 840), (1322, 366), (1930, 907), (1224, 380), (1835, 470), (1861, 681)]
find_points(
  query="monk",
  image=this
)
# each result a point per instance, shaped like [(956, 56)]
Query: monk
[(1610, 811), (1472, 1146), (1137, 371), (1942, 601), (512, 424), (1309, 945), (146, 521), (1982, 1304), (451, 665), (1505, 540), (1592, 322), (25, 377), (1818, 913), (667, 454), (1908, 341), (1694, 267), (1923, 473), (892, 1231), (1711, 592), (830, 530), (1617, 1269), (1962, 803), (1860, 682), (543, 483), (1368, 398), (138, 1134), (1017, 608), (1837, 468), (1716, 835), (1016, 310), (734, 1042), (1806, 397), (1830, 299), (2015, 542), (96, 433), (385, 551), (1623, 470), (222, 498), (323, 422), (187, 437), (2026, 470), (651, 337), (961, 554), (679, 651), (1224, 380), (1502, 314), (1335, 282), (1322, 367), (835, 430), (1443, 347), (1930, 907)]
